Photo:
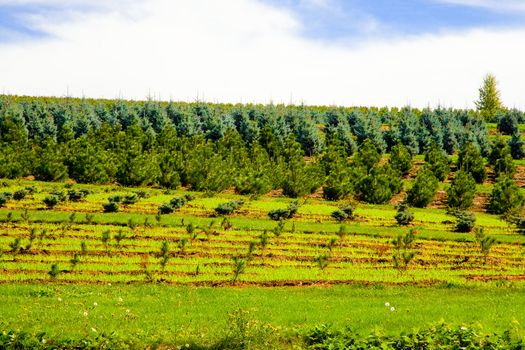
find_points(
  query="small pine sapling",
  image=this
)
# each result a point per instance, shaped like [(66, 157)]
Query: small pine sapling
[(239, 266), (403, 250), (485, 243)]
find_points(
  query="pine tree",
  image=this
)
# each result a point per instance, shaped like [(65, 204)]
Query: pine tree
[(505, 197), (424, 188), (489, 102), (460, 194), (516, 146)]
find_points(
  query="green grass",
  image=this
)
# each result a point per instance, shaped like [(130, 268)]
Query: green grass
[(173, 313)]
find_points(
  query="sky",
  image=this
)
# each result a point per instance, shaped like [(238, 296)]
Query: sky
[(423, 53)]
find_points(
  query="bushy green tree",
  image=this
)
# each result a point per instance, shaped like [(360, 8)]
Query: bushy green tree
[(470, 160), (400, 159), (516, 146), (378, 186), (424, 189), (367, 156), (508, 121), (460, 194), (437, 162), (506, 197)]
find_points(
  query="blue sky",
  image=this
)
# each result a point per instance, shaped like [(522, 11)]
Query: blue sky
[(368, 19), (328, 20), (336, 52)]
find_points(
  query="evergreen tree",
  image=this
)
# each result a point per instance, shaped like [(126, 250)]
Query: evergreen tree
[(508, 121), (367, 156), (424, 189), (471, 161), (400, 159), (506, 197), (460, 194), (489, 102), (516, 146), (437, 162)]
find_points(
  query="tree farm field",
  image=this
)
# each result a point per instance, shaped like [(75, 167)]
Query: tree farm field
[(77, 270)]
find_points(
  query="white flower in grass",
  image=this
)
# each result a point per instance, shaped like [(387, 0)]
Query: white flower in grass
[(387, 304), (95, 304), (127, 311), (392, 309), (93, 330), (120, 300), (59, 299), (463, 328), (85, 314)]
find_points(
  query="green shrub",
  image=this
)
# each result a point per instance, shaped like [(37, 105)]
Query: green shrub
[(404, 215), (61, 195), (110, 207), (77, 195), (51, 201), (19, 195), (228, 207), (115, 199), (3, 200), (344, 213), (130, 199), (165, 208), (465, 221), (30, 189), (283, 214), (177, 202)]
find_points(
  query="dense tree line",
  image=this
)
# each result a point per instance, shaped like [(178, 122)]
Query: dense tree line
[(252, 148)]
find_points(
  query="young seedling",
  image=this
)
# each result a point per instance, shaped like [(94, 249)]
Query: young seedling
[(263, 241), (331, 244), (252, 246), (158, 217), (183, 242), (119, 237), (226, 224), (25, 216), (105, 238), (15, 246), (485, 243), (342, 233), (208, 231), (32, 237), (88, 219), (322, 260), (83, 248), (239, 266), (164, 254), (403, 250), (132, 225), (74, 261), (54, 271), (41, 236), (279, 229)]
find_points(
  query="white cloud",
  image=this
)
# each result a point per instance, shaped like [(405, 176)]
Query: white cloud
[(497, 5), (244, 51)]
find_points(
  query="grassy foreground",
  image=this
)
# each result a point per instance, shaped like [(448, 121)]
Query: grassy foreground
[(171, 314)]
